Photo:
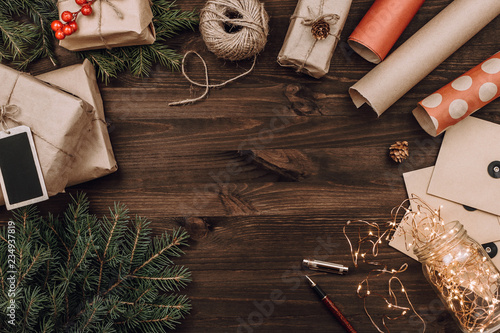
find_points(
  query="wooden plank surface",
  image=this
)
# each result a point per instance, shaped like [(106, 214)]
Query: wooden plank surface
[(257, 223)]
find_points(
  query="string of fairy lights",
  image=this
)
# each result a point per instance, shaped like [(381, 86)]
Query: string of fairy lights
[(456, 266)]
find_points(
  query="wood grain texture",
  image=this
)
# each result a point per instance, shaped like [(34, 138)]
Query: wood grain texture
[(251, 223)]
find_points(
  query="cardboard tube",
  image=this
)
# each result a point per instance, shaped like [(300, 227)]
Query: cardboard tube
[(423, 52), (460, 98), (381, 27)]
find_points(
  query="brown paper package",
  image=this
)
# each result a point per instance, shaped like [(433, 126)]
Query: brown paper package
[(57, 120), (112, 23), (95, 157), (300, 49)]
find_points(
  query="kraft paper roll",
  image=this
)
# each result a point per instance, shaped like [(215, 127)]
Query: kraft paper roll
[(460, 98), (423, 52), (381, 27)]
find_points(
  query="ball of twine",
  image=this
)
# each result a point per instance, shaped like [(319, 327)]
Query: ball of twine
[(234, 29)]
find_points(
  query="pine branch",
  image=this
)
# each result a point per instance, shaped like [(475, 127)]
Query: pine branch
[(60, 262), (24, 42), (141, 59)]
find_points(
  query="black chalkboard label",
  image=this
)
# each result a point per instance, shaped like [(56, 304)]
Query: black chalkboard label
[(21, 177)]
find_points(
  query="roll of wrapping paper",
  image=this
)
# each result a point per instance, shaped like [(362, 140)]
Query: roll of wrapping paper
[(460, 98), (423, 52), (381, 27)]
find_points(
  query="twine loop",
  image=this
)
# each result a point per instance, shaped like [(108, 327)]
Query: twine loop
[(234, 29), (7, 112), (311, 20), (207, 84)]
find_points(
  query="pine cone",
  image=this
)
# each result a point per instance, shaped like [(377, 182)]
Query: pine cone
[(399, 151), (320, 29)]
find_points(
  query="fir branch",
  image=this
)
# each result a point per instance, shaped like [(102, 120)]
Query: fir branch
[(139, 60), (60, 295)]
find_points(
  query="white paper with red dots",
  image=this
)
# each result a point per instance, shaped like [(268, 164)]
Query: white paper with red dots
[(460, 98)]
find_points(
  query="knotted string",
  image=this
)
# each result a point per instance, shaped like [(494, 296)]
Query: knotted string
[(118, 13), (7, 112), (207, 84), (332, 19), (249, 17)]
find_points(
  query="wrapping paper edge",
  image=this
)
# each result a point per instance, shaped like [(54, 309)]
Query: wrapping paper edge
[(425, 121), (294, 63), (364, 51), (358, 99), (143, 38)]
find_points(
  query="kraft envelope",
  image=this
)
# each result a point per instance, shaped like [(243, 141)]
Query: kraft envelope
[(481, 226), (465, 168)]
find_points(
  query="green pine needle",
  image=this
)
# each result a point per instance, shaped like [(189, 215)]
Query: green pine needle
[(26, 36), (78, 273)]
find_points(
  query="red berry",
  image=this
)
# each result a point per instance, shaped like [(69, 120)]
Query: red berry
[(73, 25), (86, 10), (67, 29), (67, 16), (56, 25), (60, 34), (81, 2)]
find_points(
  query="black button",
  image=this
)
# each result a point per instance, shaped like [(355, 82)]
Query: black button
[(491, 249), (469, 208), (494, 169)]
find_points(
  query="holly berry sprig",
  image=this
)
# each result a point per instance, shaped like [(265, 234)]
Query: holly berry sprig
[(61, 30)]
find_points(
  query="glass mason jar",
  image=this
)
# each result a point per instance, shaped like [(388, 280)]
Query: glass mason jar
[(464, 277)]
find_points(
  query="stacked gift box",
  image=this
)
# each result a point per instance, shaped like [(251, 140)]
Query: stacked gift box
[(65, 113)]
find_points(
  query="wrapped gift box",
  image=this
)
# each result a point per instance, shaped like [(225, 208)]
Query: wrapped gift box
[(95, 157), (58, 121), (112, 23)]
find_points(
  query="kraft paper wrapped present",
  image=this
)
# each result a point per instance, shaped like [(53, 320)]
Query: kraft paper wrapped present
[(467, 170), (57, 121), (301, 50), (481, 226), (112, 23), (95, 157)]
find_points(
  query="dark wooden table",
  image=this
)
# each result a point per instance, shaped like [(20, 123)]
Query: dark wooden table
[(253, 224)]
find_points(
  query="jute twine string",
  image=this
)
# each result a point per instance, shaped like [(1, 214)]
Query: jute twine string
[(249, 17), (332, 19), (119, 14)]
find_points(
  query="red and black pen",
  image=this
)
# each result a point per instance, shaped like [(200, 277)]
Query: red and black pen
[(329, 304)]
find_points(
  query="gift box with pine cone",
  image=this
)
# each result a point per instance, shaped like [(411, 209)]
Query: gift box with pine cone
[(313, 34)]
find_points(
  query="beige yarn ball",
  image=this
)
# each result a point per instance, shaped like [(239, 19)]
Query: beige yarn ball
[(234, 29)]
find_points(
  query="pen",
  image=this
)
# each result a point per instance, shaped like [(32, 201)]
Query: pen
[(329, 304), (323, 266)]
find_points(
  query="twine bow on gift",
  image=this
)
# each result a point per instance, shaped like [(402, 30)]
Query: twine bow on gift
[(320, 21), (320, 28), (6, 112)]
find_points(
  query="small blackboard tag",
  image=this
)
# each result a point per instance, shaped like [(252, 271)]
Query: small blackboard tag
[(21, 177)]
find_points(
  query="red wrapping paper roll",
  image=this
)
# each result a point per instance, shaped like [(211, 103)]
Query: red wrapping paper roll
[(381, 27), (460, 98)]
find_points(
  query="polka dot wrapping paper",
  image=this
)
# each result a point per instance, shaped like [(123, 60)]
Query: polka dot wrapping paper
[(381, 27), (416, 58), (460, 98)]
